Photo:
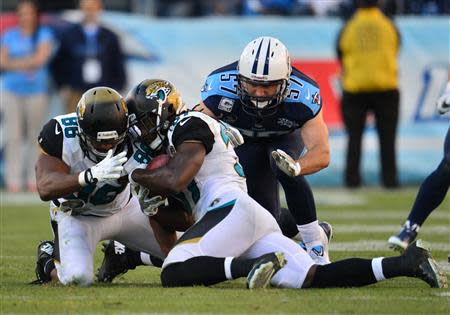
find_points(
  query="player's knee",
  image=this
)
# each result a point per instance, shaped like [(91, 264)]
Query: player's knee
[(444, 167), (78, 277)]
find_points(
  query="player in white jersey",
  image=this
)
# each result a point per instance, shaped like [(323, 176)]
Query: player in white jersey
[(83, 170), (233, 236)]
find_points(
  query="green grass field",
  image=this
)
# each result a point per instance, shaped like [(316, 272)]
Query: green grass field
[(362, 221)]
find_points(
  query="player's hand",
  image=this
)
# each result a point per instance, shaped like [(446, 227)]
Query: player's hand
[(108, 168), (285, 163), (150, 205), (443, 102), (233, 134)]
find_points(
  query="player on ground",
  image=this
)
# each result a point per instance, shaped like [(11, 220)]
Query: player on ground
[(278, 110), (82, 170), (432, 191), (233, 236)]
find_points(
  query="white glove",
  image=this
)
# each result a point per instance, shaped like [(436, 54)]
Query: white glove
[(108, 168), (443, 102), (150, 205), (233, 134), (285, 163)]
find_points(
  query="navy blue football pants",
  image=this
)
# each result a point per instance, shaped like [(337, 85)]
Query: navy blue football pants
[(433, 189), (263, 177)]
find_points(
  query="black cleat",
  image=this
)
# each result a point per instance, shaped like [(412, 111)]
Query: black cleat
[(264, 269), (115, 261), (423, 265), (44, 262)]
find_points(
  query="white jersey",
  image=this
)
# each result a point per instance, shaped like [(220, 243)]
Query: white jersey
[(59, 138), (220, 172)]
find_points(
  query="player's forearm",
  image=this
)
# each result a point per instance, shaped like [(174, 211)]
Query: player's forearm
[(57, 185), (161, 181), (314, 160)]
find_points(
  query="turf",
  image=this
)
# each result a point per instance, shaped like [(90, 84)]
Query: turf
[(362, 220)]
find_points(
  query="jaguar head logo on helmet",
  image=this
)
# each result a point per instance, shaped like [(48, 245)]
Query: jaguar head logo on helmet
[(264, 69), (102, 122), (153, 105)]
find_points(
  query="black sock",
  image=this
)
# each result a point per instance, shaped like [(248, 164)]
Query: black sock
[(353, 272), (241, 267), (202, 270), (395, 267)]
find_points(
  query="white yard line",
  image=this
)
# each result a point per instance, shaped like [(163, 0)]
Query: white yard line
[(376, 245), (375, 214), (387, 228)]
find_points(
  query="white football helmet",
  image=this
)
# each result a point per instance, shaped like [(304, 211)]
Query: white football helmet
[(264, 62)]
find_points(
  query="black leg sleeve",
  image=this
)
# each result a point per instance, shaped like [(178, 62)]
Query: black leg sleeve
[(353, 272)]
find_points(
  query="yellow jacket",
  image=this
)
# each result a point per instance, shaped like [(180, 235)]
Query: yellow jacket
[(367, 47)]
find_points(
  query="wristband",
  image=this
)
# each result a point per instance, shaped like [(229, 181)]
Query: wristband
[(85, 178)]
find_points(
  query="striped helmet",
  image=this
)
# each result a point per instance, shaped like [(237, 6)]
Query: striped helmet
[(264, 63)]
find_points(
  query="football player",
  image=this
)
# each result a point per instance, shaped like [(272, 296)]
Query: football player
[(278, 110), (82, 170), (432, 191), (233, 236)]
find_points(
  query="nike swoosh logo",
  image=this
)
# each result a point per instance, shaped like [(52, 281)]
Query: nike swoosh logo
[(57, 131), (184, 121)]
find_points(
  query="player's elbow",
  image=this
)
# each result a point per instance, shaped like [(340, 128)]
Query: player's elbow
[(44, 190), (324, 160)]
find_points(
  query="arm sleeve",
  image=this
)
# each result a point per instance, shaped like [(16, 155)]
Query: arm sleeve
[(50, 139), (193, 129)]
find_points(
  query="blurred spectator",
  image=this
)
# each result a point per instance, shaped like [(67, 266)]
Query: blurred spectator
[(89, 55), (268, 7), (367, 47), (24, 54)]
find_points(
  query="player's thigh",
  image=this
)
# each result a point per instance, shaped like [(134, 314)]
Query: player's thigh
[(291, 143), (225, 231), (298, 261), (135, 231), (447, 147), (75, 240)]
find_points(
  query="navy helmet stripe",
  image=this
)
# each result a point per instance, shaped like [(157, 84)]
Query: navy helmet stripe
[(266, 64), (255, 63)]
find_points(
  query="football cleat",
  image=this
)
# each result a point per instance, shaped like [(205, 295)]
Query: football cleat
[(423, 266), (319, 253), (44, 262), (115, 262), (264, 269), (406, 236)]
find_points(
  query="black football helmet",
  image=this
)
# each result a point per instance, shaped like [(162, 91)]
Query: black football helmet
[(102, 121), (153, 105)]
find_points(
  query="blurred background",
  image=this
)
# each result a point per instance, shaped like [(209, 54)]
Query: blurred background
[(183, 41)]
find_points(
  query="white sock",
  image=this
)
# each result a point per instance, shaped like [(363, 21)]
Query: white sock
[(377, 269), (146, 259), (227, 266), (311, 234)]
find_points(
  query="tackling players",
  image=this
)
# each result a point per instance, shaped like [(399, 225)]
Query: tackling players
[(233, 236), (278, 110), (82, 170)]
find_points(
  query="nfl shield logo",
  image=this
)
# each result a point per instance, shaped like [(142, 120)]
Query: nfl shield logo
[(226, 104)]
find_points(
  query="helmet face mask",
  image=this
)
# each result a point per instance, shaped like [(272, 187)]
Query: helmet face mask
[(264, 70), (153, 104), (102, 122)]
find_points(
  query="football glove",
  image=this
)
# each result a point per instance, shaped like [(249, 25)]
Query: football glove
[(443, 102), (233, 134), (285, 163), (108, 168), (150, 205)]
